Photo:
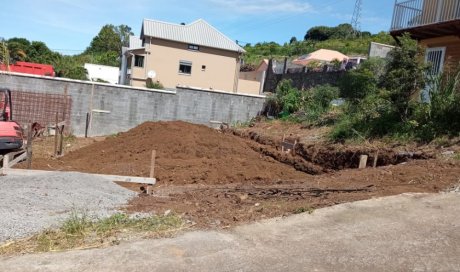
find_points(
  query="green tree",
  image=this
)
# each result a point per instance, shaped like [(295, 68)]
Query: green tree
[(4, 54), (106, 40), (18, 48), (40, 53), (318, 33), (406, 74), (70, 67), (109, 58), (341, 31), (124, 31)]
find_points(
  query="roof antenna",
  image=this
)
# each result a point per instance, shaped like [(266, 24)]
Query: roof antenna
[(182, 23)]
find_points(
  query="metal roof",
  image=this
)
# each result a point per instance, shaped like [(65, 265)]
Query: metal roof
[(135, 42), (198, 33)]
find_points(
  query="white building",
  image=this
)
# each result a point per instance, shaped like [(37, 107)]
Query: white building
[(102, 73)]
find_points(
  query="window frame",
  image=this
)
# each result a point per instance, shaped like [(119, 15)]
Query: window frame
[(136, 59), (442, 59), (185, 63)]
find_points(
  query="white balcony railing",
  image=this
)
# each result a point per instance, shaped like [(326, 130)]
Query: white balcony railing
[(413, 13)]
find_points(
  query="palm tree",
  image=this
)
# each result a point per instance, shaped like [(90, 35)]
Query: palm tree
[(4, 56)]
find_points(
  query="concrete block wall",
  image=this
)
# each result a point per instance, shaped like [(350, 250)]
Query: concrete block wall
[(119, 108)]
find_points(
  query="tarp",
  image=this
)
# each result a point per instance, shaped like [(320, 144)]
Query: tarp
[(321, 55)]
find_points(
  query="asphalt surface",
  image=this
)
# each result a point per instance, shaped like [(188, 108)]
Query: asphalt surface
[(411, 232)]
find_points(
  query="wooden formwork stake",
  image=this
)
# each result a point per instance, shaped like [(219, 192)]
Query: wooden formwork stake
[(152, 164), (61, 140), (293, 148), (282, 143), (6, 162), (376, 158), (29, 147), (56, 135), (363, 161)]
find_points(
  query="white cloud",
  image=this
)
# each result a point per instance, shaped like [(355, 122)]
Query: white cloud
[(263, 6)]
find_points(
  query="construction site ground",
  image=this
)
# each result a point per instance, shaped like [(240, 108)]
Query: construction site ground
[(218, 179)]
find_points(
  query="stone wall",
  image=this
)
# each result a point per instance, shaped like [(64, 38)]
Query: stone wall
[(301, 80), (117, 108)]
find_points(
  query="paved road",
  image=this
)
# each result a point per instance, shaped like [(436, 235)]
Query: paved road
[(401, 233)]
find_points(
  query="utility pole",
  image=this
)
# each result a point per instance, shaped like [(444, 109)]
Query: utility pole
[(356, 19)]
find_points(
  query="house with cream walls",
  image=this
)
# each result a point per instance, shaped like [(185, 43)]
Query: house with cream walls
[(435, 24), (194, 55)]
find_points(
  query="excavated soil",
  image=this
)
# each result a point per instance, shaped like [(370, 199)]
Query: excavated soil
[(221, 206), (186, 154), (220, 179)]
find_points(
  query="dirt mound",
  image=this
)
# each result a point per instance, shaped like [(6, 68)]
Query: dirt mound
[(186, 153)]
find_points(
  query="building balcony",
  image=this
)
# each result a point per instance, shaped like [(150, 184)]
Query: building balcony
[(426, 18)]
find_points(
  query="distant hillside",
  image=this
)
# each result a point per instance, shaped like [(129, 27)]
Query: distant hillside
[(334, 38)]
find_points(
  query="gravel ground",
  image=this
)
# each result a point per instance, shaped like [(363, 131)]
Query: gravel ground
[(30, 204)]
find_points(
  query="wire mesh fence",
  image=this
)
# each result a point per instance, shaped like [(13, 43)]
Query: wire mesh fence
[(41, 108)]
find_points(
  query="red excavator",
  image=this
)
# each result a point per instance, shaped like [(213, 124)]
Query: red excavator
[(11, 134)]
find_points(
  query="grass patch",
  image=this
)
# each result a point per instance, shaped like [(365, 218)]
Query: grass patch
[(307, 209), (80, 232), (70, 138)]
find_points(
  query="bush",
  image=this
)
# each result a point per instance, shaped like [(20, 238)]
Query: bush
[(285, 101), (317, 102), (154, 84), (381, 97), (356, 84), (290, 103), (373, 116), (322, 95), (441, 115)]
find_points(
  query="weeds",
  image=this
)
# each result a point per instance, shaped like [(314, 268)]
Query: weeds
[(70, 138), (154, 84), (79, 231), (307, 209)]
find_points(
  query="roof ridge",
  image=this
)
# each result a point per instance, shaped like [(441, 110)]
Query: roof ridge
[(174, 24), (218, 31), (167, 30)]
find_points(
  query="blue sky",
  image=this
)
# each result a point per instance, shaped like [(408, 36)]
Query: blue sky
[(68, 26)]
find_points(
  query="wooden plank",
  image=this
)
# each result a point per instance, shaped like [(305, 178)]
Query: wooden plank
[(18, 159), (140, 180)]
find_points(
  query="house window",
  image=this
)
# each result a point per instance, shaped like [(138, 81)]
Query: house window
[(193, 47), (138, 61), (203, 67), (185, 67), (435, 57)]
